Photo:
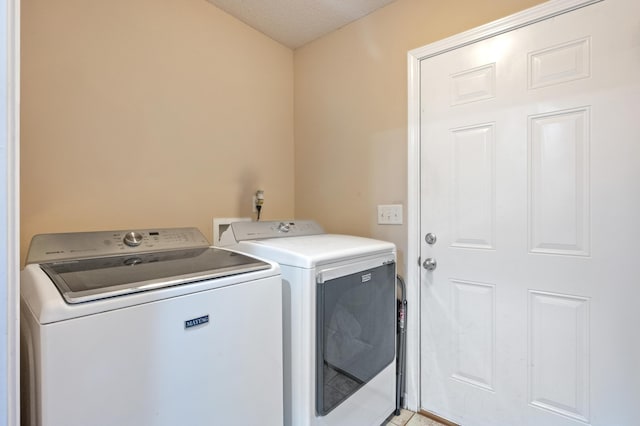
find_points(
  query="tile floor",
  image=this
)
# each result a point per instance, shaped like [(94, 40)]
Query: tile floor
[(409, 418)]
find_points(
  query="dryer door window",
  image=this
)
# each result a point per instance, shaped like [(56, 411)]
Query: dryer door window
[(356, 330)]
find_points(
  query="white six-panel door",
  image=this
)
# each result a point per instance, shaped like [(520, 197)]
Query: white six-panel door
[(530, 182)]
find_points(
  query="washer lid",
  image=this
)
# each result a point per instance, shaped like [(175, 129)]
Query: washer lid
[(90, 279)]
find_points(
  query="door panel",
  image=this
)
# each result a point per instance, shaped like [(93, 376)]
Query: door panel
[(530, 178)]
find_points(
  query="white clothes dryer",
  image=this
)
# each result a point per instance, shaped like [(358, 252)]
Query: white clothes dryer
[(339, 319), (149, 327)]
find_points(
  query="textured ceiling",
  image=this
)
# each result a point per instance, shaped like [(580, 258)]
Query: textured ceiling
[(297, 22)]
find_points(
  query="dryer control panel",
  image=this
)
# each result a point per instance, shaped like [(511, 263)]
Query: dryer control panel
[(243, 231)]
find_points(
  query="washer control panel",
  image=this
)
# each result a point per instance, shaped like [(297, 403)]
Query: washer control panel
[(243, 231), (78, 245)]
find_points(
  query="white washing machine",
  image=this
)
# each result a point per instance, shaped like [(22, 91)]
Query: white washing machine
[(339, 300), (149, 327)]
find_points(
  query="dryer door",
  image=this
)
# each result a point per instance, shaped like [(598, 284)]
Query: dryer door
[(355, 330)]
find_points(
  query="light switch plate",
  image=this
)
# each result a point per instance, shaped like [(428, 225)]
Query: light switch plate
[(390, 214)]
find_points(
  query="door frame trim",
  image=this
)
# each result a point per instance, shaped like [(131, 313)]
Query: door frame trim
[(414, 58), (10, 212)]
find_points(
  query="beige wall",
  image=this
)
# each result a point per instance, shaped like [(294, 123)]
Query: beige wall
[(351, 111), (150, 113), (154, 113)]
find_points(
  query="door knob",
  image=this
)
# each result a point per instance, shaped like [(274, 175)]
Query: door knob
[(429, 264), (430, 238)]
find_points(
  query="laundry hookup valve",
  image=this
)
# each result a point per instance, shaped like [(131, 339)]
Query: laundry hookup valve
[(259, 201)]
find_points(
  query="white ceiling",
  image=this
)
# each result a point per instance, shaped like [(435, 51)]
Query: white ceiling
[(297, 22)]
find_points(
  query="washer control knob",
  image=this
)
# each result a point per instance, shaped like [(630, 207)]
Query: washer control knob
[(284, 227), (132, 239)]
